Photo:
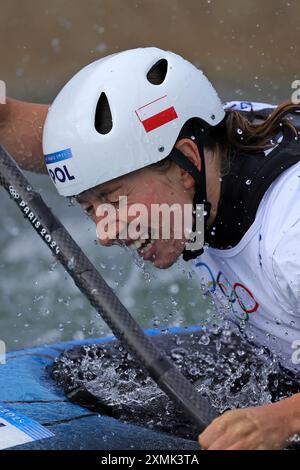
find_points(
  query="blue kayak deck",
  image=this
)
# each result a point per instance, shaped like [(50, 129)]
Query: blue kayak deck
[(28, 388)]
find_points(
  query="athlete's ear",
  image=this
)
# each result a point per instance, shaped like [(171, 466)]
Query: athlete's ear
[(190, 150)]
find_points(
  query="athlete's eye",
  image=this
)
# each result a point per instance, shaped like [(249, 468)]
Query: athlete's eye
[(113, 202)]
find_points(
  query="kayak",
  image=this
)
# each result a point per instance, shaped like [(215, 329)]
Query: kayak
[(93, 395), (27, 389)]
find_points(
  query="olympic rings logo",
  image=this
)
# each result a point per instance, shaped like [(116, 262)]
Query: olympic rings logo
[(13, 192), (236, 294)]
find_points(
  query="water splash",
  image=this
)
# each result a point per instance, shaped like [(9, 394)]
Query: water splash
[(222, 366), (140, 263)]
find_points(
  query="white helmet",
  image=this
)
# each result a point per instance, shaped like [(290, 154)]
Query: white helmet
[(146, 118)]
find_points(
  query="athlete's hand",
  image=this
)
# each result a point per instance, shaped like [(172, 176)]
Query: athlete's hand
[(21, 128), (265, 427)]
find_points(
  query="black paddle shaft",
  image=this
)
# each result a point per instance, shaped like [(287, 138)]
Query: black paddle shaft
[(100, 295)]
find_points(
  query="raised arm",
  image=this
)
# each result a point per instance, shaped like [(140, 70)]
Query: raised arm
[(21, 127)]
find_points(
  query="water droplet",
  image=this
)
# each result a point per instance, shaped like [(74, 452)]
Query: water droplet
[(37, 298), (55, 44), (71, 263), (101, 47), (174, 289), (53, 266), (204, 339), (71, 201), (20, 71)]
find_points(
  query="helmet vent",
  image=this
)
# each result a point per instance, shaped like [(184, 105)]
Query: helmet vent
[(103, 117), (158, 72)]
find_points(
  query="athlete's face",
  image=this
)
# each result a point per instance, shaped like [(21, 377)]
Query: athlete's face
[(126, 211)]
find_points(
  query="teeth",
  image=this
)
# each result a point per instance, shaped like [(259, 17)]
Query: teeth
[(138, 243), (147, 246), (142, 244)]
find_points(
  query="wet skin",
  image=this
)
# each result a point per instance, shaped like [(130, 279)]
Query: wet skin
[(149, 186)]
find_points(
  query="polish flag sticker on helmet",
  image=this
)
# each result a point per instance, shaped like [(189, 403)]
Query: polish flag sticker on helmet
[(61, 167), (156, 114)]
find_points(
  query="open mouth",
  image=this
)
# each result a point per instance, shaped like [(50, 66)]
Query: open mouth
[(144, 245)]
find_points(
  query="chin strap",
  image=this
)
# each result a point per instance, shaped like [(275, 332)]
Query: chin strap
[(200, 196)]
